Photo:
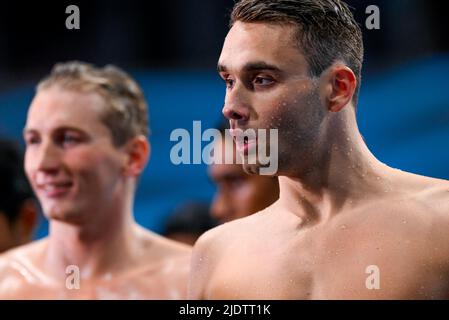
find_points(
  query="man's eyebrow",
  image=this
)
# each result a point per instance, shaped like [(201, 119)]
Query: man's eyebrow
[(260, 65), (59, 129), (252, 66)]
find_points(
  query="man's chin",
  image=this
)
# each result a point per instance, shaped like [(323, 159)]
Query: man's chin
[(61, 214)]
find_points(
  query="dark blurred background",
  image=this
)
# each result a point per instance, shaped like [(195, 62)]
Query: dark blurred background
[(171, 47)]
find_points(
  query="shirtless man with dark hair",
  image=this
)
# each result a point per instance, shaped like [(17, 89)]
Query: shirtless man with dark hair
[(346, 226)]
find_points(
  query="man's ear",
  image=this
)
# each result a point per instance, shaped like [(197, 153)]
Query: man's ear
[(341, 83), (138, 154)]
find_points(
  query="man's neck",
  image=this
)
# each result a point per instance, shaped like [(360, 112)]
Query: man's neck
[(97, 249), (343, 174)]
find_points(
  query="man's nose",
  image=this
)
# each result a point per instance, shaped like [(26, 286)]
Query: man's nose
[(236, 105), (233, 113), (47, 157)]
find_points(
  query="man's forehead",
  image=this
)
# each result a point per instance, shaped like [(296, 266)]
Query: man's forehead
[(55, 107), (259, 43)]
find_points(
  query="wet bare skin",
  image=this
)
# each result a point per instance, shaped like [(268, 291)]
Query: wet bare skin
[(340, 210), (158, 271), (86, 186), (274, 254)]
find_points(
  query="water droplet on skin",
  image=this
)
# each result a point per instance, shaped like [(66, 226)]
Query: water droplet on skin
[(377, 178), (343, 227), (404, 221)]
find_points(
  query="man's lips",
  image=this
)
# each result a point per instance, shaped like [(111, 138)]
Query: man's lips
[(246, 146), (243, 143), (55, 189)]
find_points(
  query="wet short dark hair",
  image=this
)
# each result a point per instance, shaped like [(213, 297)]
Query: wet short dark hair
[(14, 187), (326, 30)]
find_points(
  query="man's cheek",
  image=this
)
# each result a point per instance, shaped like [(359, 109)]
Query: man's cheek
[(87, 160)]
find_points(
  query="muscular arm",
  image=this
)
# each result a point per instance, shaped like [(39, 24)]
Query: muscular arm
[(203, 260), (438, 249)]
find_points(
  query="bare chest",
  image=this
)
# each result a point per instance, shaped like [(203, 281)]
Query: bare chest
[(348, 266)]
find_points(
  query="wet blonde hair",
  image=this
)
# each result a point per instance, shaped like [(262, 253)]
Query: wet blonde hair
[(126, 113)]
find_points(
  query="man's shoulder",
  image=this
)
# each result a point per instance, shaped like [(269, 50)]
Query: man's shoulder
[(420, 195), (433, 199), (160, 252), (425, 205), (215, 242), (155, 243), (206, 253), (21, 254), (429, 208), (16, 268)]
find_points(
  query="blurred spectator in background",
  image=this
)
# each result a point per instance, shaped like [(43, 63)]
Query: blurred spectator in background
[(188, 222), (18, 210), (238, 194)]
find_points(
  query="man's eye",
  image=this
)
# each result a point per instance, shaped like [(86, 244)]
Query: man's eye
[(263, 81), (70, 139), (229, 82), (32, 140)]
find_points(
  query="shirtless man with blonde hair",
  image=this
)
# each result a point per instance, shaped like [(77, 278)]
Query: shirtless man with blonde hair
[(346, 226), (86, 146)]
